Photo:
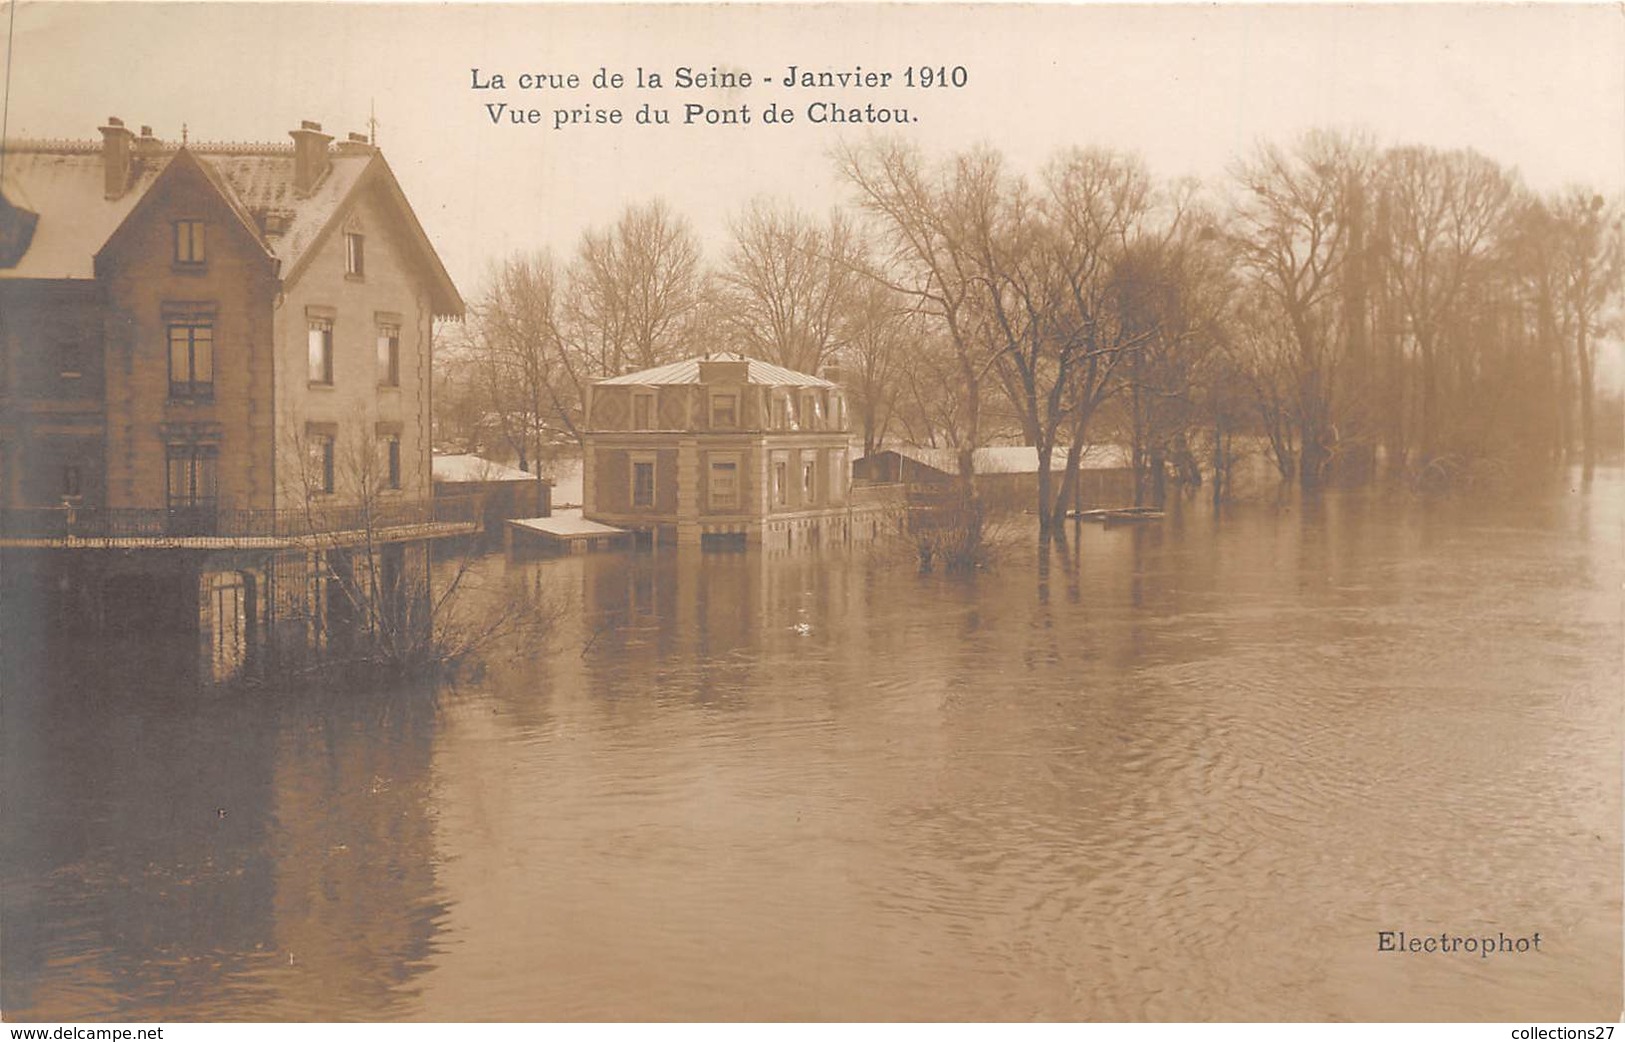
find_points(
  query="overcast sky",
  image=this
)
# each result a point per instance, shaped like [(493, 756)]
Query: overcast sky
[(1541, 88)]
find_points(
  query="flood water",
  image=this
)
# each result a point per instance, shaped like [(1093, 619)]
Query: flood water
[(1185, 771)]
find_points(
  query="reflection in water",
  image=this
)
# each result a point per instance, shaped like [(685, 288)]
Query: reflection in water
[(1169, 771), (172, 854)]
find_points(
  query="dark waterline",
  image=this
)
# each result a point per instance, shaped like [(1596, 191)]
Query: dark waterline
[(1181, 771)]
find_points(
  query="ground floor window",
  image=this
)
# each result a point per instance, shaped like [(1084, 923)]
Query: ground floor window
[(643, 483), (323, 460), (724, 485), (192, 476), (392, 461)]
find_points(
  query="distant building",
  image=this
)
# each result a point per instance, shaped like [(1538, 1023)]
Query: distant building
[(503, 492), (210, 348), (722, 448), (1007, 474)]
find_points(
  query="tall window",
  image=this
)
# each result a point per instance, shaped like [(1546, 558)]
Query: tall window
[(643, 411), (781, 413), (321, 351), (809, 486), (724, 485), (322, 460), (781, 481), (643, 483), (389, 356), (355, 258), (724, 410), (392, 461), (72, 481), (191, 476), (191, 358), (189, 242)]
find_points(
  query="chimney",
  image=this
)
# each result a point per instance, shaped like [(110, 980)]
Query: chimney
[(146, 145), (354, 144), (116, 139), (309, 155)]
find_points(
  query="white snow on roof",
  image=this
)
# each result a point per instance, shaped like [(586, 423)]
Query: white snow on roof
[(688, 372), (470, 468), (1019, 459)]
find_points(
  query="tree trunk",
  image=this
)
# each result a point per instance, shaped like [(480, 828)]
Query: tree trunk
[(1588, 433)]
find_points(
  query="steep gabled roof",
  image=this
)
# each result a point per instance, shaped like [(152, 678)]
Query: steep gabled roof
[(184, 162), (445, 301), (63, 183), (64, 186), (688, 372)]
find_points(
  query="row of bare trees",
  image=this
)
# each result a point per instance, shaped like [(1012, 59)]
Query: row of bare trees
[(1419, 307), (638, 295), (1358, 310)]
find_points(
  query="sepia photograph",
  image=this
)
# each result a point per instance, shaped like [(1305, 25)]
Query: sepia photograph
[(812, 513)]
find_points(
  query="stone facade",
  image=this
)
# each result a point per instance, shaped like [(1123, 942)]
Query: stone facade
[(239, 251), (721, 447), (172, 433)]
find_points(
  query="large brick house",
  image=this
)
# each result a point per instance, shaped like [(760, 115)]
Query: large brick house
[(721, 448), (209, 347), (211, 327)]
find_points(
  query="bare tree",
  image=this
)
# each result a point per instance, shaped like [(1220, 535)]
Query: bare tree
[(880, 337), (789, 285), (528, 373), (1446, 210), (1099, 206), (1590, 257), (636, 290), (923, 217), (1291, 239)]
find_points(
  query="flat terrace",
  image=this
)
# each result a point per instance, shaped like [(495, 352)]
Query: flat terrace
[(568, 531), (207, 528)]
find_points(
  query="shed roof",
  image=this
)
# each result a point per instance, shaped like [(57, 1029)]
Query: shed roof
[(688, 372), (1018, 459), (469, 468)]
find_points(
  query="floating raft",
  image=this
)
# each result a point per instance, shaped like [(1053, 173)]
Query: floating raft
[(567, 531), (1119, 515)]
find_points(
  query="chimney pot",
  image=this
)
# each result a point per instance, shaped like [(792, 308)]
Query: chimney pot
[(146, 131), (358, 138), (114, 121), (309, 124)]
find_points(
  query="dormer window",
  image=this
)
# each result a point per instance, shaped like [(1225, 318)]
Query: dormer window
[(643, 411), (190, 239), (355, 257), (724, 410)]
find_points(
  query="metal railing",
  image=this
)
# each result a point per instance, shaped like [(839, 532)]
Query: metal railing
[(222, 522)]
